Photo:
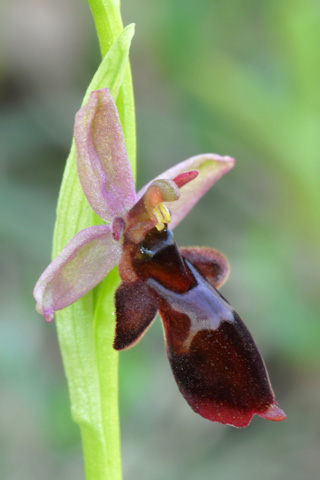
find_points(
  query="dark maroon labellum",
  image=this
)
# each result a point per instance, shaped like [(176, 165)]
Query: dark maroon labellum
[(214, 359)]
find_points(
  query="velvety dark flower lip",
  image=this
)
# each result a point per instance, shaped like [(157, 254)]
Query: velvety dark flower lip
[(213, 356)]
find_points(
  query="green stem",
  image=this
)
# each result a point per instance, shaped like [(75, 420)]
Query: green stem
[(101, 442), (86, 328), (108, 22), (107, 360)]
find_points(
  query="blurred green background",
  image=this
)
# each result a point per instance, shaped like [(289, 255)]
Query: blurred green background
[(238, 78)]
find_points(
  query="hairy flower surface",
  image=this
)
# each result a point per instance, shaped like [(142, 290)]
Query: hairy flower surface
[(214, 359)]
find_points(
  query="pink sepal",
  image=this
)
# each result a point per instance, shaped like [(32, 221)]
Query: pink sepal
[(210, 167), (103, 166), (82, 264)]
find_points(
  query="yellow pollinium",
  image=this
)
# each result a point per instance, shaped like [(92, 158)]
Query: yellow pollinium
[(162, 214)]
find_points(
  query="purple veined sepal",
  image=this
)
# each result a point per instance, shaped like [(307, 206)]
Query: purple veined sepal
[(210, 167), (82, 264), (102, 161), (214, 359)]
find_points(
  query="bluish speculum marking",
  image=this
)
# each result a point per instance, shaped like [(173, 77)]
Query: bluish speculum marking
[(203, 305)]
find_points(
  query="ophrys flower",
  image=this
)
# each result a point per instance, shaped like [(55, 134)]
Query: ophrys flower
[(214, 359)]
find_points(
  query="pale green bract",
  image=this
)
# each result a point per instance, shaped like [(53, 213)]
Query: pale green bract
[(86, 328)]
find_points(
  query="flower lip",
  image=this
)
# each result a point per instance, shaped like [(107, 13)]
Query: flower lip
[(213, 356)]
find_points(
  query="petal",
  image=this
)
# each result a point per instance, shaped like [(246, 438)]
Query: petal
[(81, 265), (210, 167), (103, 166), (135, 311), (211, 263)]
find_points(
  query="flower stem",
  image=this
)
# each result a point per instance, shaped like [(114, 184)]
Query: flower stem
[(86, 328), (108, 22), (107, 360), (101, 446)]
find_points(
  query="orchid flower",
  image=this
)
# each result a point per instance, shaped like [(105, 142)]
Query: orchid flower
[(214, 359)]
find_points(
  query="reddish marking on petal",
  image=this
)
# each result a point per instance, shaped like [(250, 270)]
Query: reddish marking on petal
[(274, 413), (185, 177)]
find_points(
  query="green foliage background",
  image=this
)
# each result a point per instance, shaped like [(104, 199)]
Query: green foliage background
[(238, 78)]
